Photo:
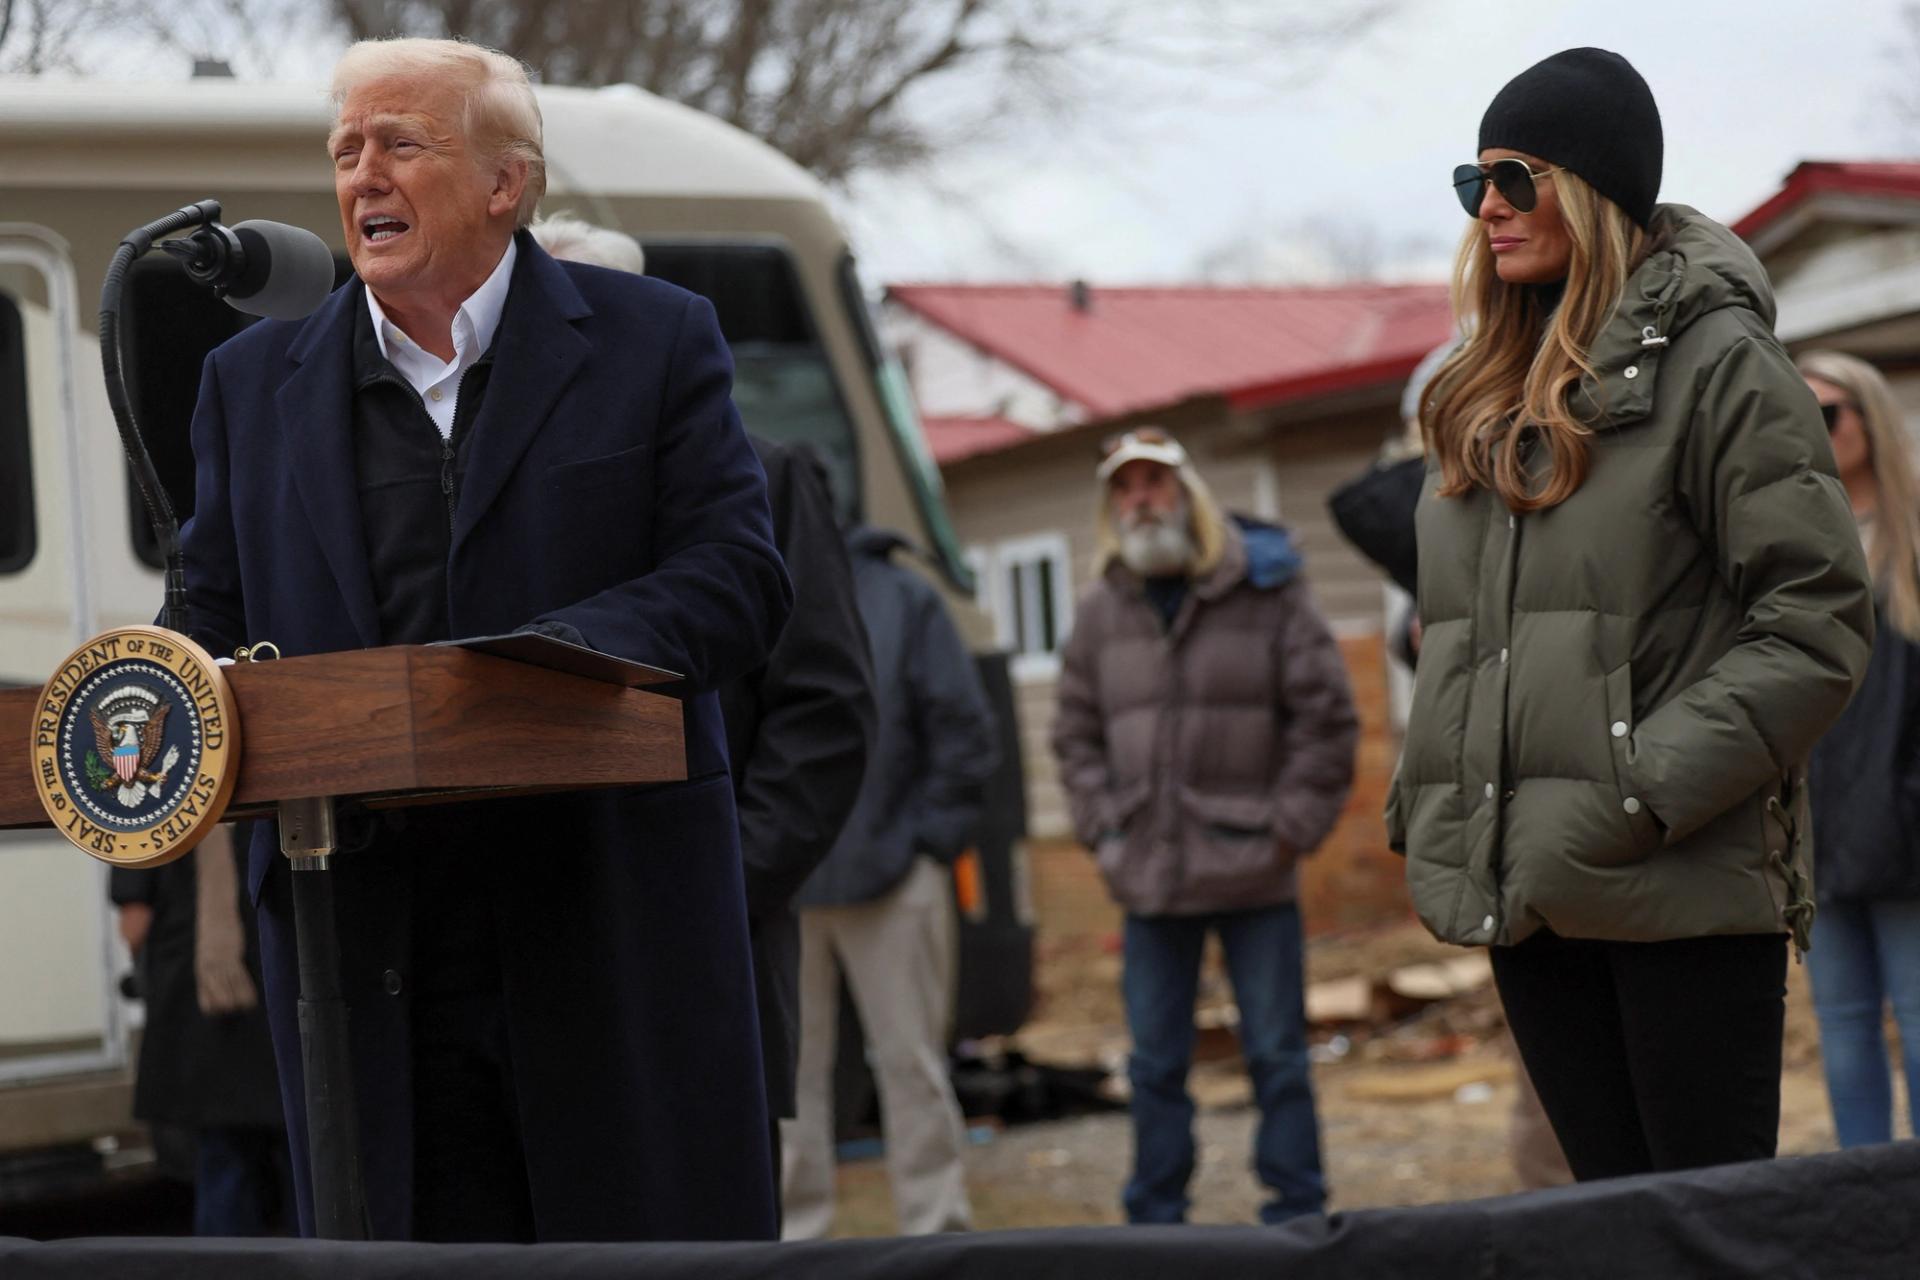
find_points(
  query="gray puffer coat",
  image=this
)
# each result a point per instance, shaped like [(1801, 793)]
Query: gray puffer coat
[(1201, 759)]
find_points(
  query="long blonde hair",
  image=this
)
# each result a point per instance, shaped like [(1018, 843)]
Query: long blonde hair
[(1895, 554), (1524, 355)]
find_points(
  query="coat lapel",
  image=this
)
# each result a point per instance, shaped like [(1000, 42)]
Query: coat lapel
[(315, 408), (536, 353)]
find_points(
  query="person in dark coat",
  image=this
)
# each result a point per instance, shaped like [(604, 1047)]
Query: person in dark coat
[(1865, 774), (554, 1034), (798, 732), (798, 727), (206, 1061), (880, 908)]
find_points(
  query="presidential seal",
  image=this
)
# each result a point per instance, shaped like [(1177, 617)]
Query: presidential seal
[(136, 746)]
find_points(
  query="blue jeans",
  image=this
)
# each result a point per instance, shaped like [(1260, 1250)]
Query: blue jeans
[(1866, 954), (1162, 977)]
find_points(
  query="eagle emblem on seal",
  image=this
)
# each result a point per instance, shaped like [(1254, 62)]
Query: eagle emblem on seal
[(129, 726)]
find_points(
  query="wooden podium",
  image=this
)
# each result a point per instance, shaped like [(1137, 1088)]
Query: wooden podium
[(411, 724), (414, 724)]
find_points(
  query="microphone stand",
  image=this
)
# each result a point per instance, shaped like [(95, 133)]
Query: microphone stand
[(306, 826), (166, 528)]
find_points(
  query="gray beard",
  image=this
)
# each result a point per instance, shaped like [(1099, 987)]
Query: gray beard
[(1157, 548)]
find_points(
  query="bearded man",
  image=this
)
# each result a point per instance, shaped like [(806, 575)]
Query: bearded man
[(1205, 734)]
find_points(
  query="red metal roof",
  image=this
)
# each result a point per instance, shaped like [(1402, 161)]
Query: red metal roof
[(1135, 349), (1812, 177), (951, 439)]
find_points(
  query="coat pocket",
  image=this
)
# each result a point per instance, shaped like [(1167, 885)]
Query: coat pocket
[(1117, 810), (1121, 804), (624, 471), (1640, 831), (1231, 848)]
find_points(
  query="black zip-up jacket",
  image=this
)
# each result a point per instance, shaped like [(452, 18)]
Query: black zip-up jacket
[(408, 476)]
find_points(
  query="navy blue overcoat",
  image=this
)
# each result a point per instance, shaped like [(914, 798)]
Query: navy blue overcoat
[(609, 487)]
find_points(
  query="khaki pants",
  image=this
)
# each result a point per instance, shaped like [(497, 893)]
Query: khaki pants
[(898, 955)]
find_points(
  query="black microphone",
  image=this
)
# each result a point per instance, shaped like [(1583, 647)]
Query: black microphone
[(262, 268)]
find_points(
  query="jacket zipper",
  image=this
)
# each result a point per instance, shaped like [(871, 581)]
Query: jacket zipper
[(446, 476), (447, 450)]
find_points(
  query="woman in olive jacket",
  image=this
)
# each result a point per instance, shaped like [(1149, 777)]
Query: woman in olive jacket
[(1643, 600)]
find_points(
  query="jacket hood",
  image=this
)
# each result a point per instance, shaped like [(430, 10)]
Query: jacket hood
[(1272, 559), (1697, 267), (1709, 266)]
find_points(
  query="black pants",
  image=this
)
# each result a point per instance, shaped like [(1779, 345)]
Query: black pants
[(469, 1167), (469, 1159), (1650, 1056)]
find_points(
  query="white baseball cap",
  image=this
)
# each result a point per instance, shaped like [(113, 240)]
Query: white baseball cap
[(1142, 444)]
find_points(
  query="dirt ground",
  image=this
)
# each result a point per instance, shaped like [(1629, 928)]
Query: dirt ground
[(1414, 1108)]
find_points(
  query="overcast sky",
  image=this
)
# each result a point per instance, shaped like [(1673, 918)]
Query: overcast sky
[(1157, 172), (1138, 192)]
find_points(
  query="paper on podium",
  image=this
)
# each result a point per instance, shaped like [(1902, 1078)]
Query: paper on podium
[(537, 650)]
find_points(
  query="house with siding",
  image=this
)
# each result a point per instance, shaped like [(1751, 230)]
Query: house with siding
[(1841, 243)]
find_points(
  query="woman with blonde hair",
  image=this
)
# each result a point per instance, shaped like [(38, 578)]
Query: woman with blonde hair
[(1864, 781), (1642, 601)]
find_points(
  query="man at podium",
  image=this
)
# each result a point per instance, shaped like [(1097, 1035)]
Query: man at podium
[(552, 1018)]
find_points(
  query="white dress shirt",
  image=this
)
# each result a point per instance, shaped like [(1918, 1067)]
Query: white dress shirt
[(437, 381)]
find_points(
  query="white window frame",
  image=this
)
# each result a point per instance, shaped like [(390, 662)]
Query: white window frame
[(994, 567)]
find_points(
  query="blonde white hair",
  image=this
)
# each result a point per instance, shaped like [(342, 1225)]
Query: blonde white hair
[(502, 117), (573, 240)]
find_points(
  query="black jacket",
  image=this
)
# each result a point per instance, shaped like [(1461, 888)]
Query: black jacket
[(798, 731), (1864, 783), (194, 1070), (935, 747), (1374, 511)]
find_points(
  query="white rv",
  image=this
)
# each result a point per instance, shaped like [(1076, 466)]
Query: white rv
[(83, 163)]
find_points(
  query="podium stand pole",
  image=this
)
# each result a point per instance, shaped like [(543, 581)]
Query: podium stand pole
[(333, 1133)]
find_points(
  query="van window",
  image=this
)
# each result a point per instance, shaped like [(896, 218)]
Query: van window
[(16, 459), (903, 424), (783, 383)]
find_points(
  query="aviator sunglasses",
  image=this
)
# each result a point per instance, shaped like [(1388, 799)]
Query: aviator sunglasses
[(1511, 176)]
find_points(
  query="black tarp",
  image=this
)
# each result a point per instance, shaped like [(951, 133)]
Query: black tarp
[(1849, 1216)]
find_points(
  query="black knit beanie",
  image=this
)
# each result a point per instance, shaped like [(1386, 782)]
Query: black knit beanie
[(1586, 110)]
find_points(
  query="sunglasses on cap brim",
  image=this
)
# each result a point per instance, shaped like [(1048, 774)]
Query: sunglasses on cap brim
[(1509, 176), (1139, 435)]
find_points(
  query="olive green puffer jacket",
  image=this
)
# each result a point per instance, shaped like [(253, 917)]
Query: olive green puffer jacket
[(1616, 696)]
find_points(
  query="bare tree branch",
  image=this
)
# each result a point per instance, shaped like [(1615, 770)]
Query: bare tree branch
[(836, 83), (841, 86)]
